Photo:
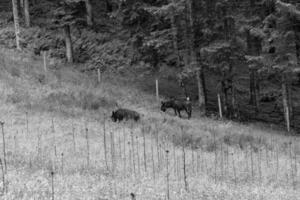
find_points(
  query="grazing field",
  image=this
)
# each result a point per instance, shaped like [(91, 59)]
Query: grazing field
[(60, 143)]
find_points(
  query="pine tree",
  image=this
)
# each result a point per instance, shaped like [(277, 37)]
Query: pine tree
[(26, 13), (16, 22), (65, 16), (89, 13)]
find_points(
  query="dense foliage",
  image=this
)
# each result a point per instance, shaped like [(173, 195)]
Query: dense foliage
[(206, 43)]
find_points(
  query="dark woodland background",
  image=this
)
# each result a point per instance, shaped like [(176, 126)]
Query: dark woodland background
[(247, 51)]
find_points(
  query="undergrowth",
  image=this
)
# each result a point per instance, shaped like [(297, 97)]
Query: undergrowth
[(54, 114)]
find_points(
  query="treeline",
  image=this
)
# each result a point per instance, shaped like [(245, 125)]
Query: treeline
[(196, 36)]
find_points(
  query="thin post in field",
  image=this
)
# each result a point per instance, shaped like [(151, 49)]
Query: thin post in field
[(216, 158), (87, 146), (105, 143), (45, 62), (4, 147), (184, 162), (152, 158), (3, 177), (133, 152), (157, 90), (145, 155), (52, 185), (112, 151), (234, 169), (138, 155), (168, 175), (98, 75)]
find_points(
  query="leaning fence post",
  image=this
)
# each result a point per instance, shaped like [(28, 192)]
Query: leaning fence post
[(220, 106)]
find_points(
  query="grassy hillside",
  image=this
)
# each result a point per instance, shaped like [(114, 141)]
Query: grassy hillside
[(59, 122), (113, 44)]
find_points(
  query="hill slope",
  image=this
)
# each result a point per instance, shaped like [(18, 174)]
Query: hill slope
[(112, 43), (59, 121)]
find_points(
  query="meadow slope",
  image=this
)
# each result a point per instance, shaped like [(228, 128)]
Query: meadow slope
[(59, 122)]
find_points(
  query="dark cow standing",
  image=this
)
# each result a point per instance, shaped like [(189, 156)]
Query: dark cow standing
[(125, 114), (178, 106)]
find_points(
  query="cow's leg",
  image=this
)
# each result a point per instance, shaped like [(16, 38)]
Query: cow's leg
[(175, 112), (179, 113), (188, 112)]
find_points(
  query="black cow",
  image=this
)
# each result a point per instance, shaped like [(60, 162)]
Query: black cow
[(178, 105), (125, 114)]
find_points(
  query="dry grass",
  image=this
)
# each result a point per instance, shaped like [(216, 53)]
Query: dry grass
[(217, 153)]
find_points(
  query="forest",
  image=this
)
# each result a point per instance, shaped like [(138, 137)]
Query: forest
[(244, 53), (86, 87)]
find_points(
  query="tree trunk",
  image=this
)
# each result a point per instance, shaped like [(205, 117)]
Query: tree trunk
[(225, 97), (19, 7), (195, 62), (201, 94), (254, 89), (297, 40), (297, 44), (187, 41), (251, 4), (89, 13), (16, 22), (26, 13), (235, 111), (68, 40), (285, 100), (175, 35), (290, 103)]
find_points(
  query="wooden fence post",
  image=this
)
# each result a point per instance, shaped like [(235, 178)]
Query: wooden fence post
[(45, 61), (157, 91), (4, 148), (286, 107), (99, 75), (52, 185), (220, 106)]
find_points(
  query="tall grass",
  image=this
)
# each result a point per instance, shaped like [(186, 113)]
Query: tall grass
[(223, 150)]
